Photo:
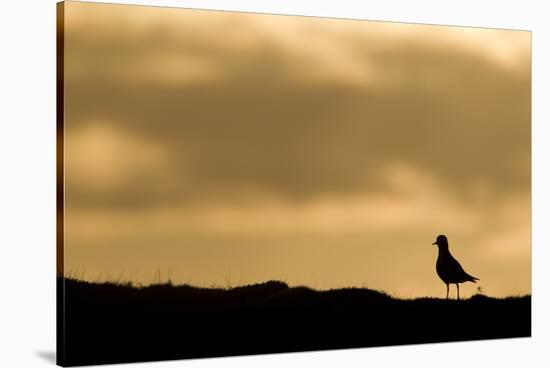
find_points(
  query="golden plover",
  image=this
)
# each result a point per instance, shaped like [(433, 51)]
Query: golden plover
[(448, 268)]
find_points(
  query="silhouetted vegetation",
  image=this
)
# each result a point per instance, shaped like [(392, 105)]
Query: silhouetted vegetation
[(112, 323)]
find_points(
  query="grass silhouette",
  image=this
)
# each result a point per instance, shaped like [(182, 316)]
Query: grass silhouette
[(115, 323)]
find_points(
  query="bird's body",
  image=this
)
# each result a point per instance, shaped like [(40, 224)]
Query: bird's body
[(448, 268)]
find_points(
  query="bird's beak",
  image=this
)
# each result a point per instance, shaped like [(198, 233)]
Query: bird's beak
[(434, 243)]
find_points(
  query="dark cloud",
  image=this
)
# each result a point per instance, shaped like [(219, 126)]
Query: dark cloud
[(249, 116)]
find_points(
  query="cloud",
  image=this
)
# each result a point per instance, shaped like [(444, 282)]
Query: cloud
[(335, 50), (509, 236), (302, 106), (102, 162), (329, 214), (383, 239)]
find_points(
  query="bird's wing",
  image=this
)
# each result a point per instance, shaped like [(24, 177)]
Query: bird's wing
[(454, 266), (457, 271)]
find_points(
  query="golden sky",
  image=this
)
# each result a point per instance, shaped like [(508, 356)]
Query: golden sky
[(230, 148)]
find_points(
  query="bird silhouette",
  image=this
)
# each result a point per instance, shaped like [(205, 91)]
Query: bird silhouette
[(448, 268)]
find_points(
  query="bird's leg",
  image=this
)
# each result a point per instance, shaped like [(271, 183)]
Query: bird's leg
[(447, 291), (457, 292)]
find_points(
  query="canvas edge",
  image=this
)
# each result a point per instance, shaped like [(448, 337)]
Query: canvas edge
[(60, 109)]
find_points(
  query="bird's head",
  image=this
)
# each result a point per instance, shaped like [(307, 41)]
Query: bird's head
[(441, 241)]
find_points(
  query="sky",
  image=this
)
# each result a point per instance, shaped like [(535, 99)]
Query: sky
[(222, 148)]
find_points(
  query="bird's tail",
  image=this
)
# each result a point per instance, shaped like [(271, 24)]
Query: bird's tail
[(472, 278)]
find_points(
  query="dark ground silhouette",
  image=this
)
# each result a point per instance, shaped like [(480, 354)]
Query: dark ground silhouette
[(109, 323)]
